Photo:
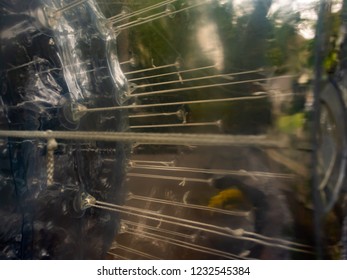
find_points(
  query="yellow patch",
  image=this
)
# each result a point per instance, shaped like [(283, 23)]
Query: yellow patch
[(227, 199)]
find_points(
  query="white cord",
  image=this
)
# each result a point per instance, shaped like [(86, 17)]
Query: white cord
[(51, 146)]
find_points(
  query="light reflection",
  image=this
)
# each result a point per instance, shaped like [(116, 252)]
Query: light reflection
[(243, 7), (210, 43), (306, 10)]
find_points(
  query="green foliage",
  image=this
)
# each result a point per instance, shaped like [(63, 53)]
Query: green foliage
[(292, 123), (288, 50), (333, 22), (250, 41)]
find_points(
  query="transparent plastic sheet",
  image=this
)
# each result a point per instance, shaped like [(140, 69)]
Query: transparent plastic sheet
[(230, 44), (201, 109), (48, 63)]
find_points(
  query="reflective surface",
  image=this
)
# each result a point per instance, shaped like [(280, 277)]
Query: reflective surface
[(242, 72), (224, 49), (49, 62)]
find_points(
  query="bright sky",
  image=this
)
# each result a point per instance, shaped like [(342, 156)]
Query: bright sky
[(306, 29), (210, 43)]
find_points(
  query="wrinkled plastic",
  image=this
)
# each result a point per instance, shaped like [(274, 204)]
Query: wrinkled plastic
[(260, 52), (48, 64)]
